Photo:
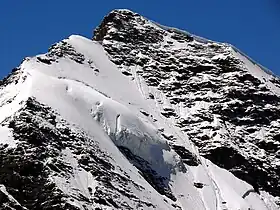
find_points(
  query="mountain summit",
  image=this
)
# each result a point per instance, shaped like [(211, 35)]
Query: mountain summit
[(141, 117)]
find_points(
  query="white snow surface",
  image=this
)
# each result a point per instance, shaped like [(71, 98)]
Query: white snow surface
[(107, 106), (10, 198)]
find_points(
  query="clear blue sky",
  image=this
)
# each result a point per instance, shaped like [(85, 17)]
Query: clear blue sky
[(29, 27)]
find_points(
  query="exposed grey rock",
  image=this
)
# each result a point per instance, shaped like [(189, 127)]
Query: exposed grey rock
[(195, 72)]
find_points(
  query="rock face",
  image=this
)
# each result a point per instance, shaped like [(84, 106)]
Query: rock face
[(228, 108), (143, 117)]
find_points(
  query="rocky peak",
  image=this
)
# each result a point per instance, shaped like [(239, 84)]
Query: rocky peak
[(148, 117), (227, 104), (126, 26)]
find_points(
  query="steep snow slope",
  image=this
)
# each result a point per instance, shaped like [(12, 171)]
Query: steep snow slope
[(80, 132)]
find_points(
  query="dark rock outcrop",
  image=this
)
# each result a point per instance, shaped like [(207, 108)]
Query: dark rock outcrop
[(233, 115)]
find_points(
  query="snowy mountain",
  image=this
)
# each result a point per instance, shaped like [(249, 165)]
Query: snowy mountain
[(141, 117)]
